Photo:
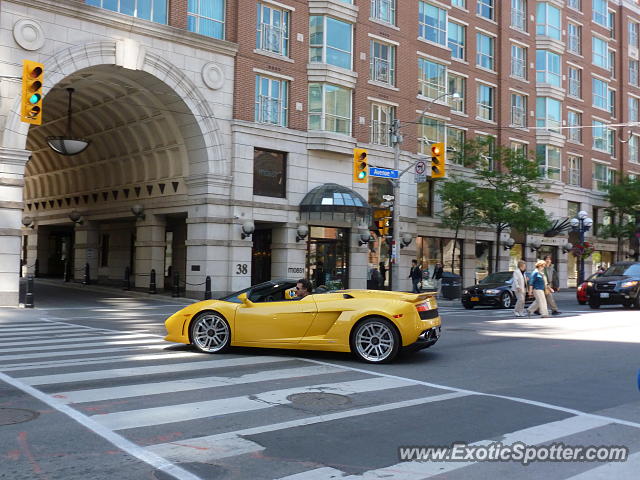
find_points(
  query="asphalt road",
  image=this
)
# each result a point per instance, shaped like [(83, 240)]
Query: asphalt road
[(88, 389)]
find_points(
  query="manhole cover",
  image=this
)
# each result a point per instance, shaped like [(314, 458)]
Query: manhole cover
[(318, 400), (11, 416)]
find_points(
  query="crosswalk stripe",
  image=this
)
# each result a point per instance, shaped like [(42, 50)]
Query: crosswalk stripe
[(150, 370), (69, 353), (76, 337), (191, 411), (229, 444), (628, 469), (324, 473), (133, 341), (12, 332), (143, 389)]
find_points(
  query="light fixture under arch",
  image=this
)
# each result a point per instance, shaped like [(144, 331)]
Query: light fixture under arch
[(68, 144)]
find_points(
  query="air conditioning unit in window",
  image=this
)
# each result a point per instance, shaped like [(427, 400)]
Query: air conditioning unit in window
[(633, 52)]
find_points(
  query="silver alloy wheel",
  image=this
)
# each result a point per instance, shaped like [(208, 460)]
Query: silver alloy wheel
[(374, 341), (210, 333), (506, 300)]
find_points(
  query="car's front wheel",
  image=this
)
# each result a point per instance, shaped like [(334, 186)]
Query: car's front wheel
[(593, 303), (375, 340), (505, 300), (467, 305), (210, 332)]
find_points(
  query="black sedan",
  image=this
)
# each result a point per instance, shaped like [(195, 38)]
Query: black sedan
[(492, 291), (620, 284)]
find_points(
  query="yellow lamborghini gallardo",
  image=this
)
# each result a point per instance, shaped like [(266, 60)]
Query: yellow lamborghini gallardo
[(373, 324)]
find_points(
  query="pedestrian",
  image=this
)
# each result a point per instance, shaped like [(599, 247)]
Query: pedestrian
[(415, 274), (318, 274), (383, 274), (376, 279), (537, 287), (519, 287), (553, 284), (437, 276), (601, 270)]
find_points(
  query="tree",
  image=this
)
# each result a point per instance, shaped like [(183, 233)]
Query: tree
[(624, 200), (459, 198)]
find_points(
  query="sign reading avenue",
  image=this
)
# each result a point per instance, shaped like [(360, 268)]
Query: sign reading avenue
[(383, 172)]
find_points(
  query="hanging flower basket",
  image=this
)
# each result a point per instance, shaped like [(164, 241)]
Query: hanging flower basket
[(582, 250)]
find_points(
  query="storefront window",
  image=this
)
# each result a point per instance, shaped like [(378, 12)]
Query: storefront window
[(484, 262), (328, 257), (425, 199), (600, 257), (269, 173), (432, 250), (515, 255), (545, 250)]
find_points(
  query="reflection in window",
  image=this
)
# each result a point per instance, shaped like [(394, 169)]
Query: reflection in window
[(330, 41), (269, 173), (154, 10), (329, 108), (206, 17)]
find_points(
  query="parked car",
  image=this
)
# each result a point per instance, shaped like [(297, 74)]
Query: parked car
[(582, 293), (494, 290), (620, 284)]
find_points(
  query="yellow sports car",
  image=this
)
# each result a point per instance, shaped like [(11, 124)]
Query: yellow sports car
[(373, 324)]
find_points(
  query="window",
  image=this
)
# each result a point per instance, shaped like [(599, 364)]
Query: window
[(381, 119), (602, 176), (384, 10), (432, 23), (611, 59), (575, 82), (430, 131), (575, 4), (485, 54), (272, 30), (383, 63), (457, 84), (549, 161), (459, 3), (154, 10), (612, 24), (633, 72), (599, 12), (548, 67), (519, 62), (271, 101), (486, 101), (600, 91), (634, 149), (104, 250), (330, 41), (612, 102), (488, 149), (600, 52), (269, 173), (455, 145), (600, 136), (432, 78), (425, 199), (206, 17), (518, 110), (548, 113), (329, 108), (575, 172), (548, 20), (485, 8), (519, 148), (457, 35), (634, 108), (519, 14), (574, 38), (574, 121), (632, 28)]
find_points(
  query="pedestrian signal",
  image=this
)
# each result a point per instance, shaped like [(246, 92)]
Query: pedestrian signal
[(438, 160), (360, 165), (32, 80)]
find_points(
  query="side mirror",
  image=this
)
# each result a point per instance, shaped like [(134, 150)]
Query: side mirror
[(289, 293), (245, 300)]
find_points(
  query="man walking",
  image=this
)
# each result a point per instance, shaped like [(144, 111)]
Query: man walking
[(519, 287), (416, 276), (437, 276), (553, 284)]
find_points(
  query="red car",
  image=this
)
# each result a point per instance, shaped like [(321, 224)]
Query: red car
[(582, 294)]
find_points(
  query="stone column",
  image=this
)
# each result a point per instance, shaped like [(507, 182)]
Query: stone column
[(469, 264), (358, 260), (87, 238), (150, 249), (288, 256), (32, 250), (12, 165)]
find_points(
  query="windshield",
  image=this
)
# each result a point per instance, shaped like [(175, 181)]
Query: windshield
[(263, 292), (615, 270), (500, 277)]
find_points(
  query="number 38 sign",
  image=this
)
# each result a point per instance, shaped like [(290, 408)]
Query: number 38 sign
[(242, 269)]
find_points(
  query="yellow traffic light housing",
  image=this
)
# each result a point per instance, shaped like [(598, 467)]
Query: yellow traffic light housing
[(438, 167), (32, 81), (360, 165)]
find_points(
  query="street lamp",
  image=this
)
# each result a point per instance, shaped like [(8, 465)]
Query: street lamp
[(581, 224)]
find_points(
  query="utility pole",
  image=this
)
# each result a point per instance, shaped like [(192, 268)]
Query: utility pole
[(396, 139)]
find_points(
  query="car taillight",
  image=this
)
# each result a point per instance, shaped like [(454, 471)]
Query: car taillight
[(423, 307)]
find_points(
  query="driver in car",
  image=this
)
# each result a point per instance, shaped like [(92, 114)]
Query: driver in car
[(303, 288)]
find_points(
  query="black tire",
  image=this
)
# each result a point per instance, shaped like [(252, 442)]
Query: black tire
[(209, 332), (468, 306), (582, 302), (595, 304), (628, 304), (636, 302), (506, 301), (375, 340)]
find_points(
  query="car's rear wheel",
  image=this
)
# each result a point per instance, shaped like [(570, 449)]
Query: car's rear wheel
[(375, 340), (593, 303), (468, 306), (582, 302), (505, 300), (210, 332)]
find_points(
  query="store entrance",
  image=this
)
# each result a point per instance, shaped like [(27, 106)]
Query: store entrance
[(328, 257), (261, 257)]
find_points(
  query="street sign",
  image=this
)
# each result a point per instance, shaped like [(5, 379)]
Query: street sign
[(420, 178), (421, 167), (388, 198), (383, 172), (386, 204)]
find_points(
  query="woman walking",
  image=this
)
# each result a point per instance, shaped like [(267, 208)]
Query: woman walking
[(537, 286), (519, 287)]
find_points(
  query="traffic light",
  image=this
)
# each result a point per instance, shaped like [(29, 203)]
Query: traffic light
[(32, 80), (438, 152), (360, 165)]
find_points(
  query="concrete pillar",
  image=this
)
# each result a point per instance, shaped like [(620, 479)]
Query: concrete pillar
[(32, 250), (12, 165), (469, 263), (86, 243), (288, 256), (358, 260), (150, 248)]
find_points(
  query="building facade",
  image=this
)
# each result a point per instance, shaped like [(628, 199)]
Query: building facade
[(229, 127)]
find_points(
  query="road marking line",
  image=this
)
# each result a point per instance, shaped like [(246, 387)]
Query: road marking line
[(222, 445), (70, 353), (150, 370), (40, 331), (118, 441), (628, 469), (56, 320), (133, 341), (125, 307), (74, 337), (325, 473), (144, 389), (550, 406), (191, 411)]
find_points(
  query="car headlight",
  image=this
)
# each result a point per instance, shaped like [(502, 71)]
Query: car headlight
[(630, 283), (466, 292), (492, 291), (589, 284)]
